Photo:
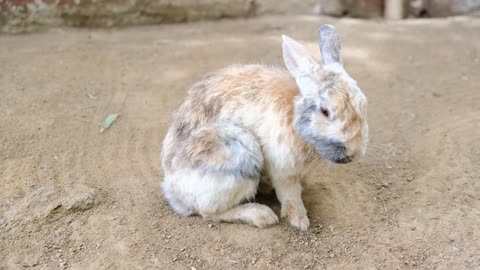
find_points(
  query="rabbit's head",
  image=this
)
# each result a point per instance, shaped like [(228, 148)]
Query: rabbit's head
[(331, 112)]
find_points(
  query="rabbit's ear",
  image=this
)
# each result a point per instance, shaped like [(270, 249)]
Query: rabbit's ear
[(330, 46), (296, 58)]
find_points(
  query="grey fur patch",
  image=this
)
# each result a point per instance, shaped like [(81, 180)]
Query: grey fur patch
[(181, 130), (330, 44), (303, 122), (332, 150), (243, 162), (244, 155)]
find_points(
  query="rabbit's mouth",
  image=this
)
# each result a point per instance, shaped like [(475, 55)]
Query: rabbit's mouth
[(347, 159), (333, 151)]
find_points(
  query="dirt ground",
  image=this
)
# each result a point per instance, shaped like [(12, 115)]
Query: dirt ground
[(72, 198)]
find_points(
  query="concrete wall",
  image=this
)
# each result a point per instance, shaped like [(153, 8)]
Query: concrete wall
[(29, 15)]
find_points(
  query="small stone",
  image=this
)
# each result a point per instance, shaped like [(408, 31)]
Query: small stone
[(409, 114), (385, 184), (123, 221), (410, 178), (210, 226), (193, 268), (332, 255), (80, 198), (254, 260)]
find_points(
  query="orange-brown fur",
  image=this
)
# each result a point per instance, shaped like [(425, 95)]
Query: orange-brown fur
[(225, 92)]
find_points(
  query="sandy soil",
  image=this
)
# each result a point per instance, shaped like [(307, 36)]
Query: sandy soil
[(71, 198)]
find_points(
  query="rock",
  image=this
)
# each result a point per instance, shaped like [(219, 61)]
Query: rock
[(385, 184), (442, 8), (364, 8), (80, 198), (409, 114), (354, 8), (50, 202), (284, 7), (416, 8)]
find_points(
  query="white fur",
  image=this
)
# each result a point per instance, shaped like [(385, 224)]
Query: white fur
[(216, 197), (197, 193), (283, 165)]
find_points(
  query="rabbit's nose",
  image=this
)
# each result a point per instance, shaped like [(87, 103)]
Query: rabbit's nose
[(344, 160)]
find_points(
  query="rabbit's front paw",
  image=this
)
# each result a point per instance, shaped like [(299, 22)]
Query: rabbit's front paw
[(296, 215), (300, 222)]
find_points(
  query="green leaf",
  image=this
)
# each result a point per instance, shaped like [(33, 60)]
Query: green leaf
[(109, 121)]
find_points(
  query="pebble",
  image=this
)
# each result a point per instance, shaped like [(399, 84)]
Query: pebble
[(385, 184)]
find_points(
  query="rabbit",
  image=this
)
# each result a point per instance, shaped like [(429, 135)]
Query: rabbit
[(250, 125)]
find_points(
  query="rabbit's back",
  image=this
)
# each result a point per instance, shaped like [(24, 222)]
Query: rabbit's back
[(259, 98)]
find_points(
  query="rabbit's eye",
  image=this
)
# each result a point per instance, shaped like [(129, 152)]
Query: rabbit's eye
[(325, 112)]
